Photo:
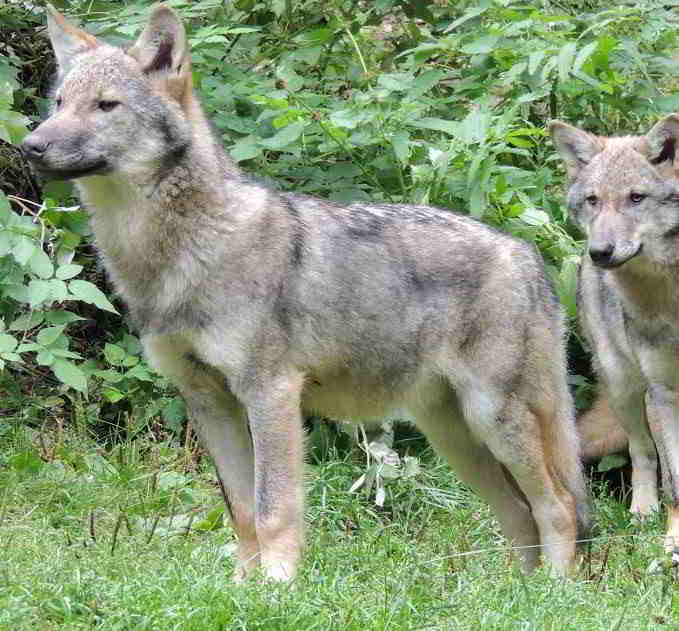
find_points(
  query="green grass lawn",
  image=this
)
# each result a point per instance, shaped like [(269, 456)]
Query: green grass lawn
[(130, 539)]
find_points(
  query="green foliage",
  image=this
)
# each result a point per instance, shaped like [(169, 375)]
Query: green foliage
[(439, 103)]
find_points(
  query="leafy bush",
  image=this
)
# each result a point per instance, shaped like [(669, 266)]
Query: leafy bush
[(396, 100)]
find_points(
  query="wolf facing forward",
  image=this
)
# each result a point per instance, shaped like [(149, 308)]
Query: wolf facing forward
[(624, 194), (259, 305)]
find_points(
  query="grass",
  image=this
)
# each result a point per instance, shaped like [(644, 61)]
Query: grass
[(128, 539)]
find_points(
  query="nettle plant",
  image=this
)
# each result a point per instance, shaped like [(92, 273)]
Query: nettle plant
[(442, 103), (35, 285)]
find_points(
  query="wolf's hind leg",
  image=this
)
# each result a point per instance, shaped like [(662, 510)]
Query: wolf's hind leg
[(531, 448), (477, 467)]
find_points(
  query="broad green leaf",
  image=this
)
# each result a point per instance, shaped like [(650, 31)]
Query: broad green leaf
[(174, 413), (438, 124), (139, 372), (113, 395), (6, 242), (603, 87), (395, 82), (23, 249), (469, 14), (535, 217), (475, 166), (62, 316), (87, 292), (584, 55), (667, 103), (40, 264), (284, 137), (423, 84), (45, 358), (28, 346), (49, 335), (112, 376), (114, 354), (5, 209), (566, 55), (38, 292), (245, 149), (474, 126), (292, 81), (350, 118), (130, 360), (58, 290), (482, 46), (399, 142), (7, 343), (565, 284), (309, 55), (548, 66), (67, 372), (61, 352), (27, 321), (314, 37), (64, 272), (477, 201), (534, 60)]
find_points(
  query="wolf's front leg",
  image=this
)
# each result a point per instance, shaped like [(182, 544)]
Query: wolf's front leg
[(628, 405), (276, 424), (222, 424), (663, 415)]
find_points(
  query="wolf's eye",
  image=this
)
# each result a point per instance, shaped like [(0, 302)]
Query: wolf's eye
[(107, 106), (592, 200), (637, 198), (59, 101)]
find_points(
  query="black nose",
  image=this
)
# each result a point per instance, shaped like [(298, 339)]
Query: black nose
[(601, 254), (34, 147)]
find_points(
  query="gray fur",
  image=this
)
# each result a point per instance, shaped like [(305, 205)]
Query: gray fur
[(624, 194), (260, 304)]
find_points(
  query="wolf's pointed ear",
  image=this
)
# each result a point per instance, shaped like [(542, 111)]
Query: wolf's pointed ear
[(661, 141), (67, 40), (576, 147), (162, 49)]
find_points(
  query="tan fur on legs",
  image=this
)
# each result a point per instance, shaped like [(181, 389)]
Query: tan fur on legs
[(478, 468), (672, 536), (275, 417), (600, 431)]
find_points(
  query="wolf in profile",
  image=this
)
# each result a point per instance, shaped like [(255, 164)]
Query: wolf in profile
[(260, 304), (624, 194)]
